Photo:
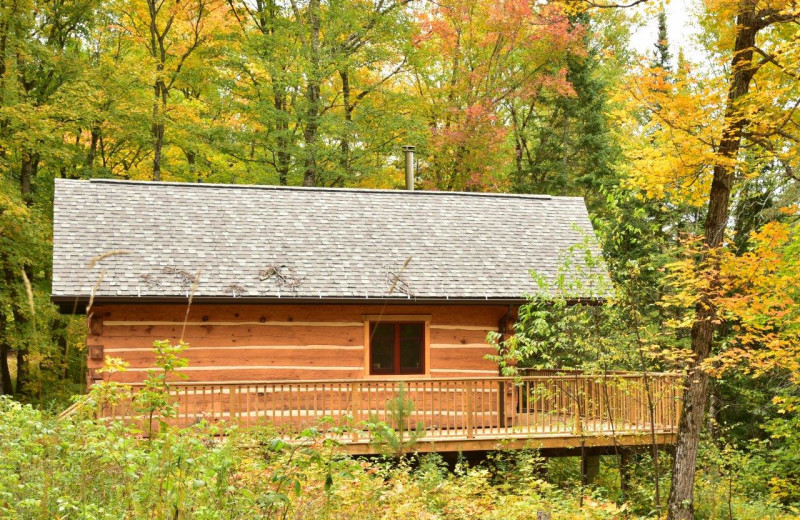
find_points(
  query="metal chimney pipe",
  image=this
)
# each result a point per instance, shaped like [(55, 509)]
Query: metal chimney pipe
[(409, 151)]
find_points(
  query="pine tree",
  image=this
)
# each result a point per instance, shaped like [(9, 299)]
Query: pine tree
[(570, 150), (662, 55)]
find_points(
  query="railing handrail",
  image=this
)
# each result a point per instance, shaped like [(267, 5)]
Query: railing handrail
[(570, 405)]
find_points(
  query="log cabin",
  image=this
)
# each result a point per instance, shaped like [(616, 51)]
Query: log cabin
[(299, 303)]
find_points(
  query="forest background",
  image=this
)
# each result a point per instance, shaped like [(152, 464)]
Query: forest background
[(689, 167)]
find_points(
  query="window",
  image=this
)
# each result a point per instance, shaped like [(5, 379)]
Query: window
[(397, 348)]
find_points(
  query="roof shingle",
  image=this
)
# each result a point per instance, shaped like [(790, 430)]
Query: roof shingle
[(268, 242)]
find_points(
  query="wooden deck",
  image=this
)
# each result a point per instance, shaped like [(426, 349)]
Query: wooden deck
[(457, 414)]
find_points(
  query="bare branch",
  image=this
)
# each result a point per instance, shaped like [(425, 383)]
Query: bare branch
[(590, 3)]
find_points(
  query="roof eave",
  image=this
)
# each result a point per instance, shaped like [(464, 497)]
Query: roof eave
[(77, 304)]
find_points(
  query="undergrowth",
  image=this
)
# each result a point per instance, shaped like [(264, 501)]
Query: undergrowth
[(82, 468)]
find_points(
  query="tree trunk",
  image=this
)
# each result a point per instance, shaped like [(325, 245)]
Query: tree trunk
[(283, 158), (5, 373), (344, 144), (92, 153), (517, 146), (30, 164), (159, 108), (681, 506), (191, 160), (312, 97), (23, 371)]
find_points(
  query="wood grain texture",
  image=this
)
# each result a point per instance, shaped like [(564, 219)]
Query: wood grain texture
[(462, 358), (313, 358), (468, 315), (288, 342)]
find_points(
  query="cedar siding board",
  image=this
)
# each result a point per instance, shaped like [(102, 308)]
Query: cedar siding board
[(285, 342)]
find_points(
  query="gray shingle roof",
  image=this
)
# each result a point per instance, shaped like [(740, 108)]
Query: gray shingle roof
[(268, 242)]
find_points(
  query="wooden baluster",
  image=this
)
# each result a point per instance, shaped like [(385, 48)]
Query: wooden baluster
[(533, 405), (619, 396), (435, 427), (355, 411), (290, 406), (211, 403), (186, 422), (619, 409), (366, 400), (204, 408), (314, 404), (635, 408), (452, 417), (546, 407), (494, 419), (577, 389), (642, 421), (624, 410), (272, 404), (467, 401), (252, 404), (238, 403), (458, 392), (602, 404), (480, 414), (441, 404), (636, 421), (496, 386), (588, 403), (216, 395), (230, 402), (426, 406), (323, 399), (662, 390), (544, 391), (429, 413), (632, 420), (661, 401), (278, 398)]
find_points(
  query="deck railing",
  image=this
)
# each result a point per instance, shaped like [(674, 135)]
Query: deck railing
[(561, 404)]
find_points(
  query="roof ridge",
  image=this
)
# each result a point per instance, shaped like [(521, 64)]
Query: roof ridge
[(273, 187)]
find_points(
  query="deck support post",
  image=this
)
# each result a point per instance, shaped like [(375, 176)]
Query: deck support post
[(590, 468), (625, 471)]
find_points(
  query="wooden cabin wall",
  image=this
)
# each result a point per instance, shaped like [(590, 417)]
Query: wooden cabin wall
[(276, 342)]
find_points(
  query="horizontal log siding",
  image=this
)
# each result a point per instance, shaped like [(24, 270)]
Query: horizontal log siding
[(286, 342)]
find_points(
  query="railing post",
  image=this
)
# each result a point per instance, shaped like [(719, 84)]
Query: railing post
[(510, 403), (469, 387)]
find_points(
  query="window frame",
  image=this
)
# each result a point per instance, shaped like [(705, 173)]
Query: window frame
[(371, 320)]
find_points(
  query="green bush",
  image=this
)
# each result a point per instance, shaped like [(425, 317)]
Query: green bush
[(79, 467)]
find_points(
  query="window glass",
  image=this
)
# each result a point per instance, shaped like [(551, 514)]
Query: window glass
[(411, 347), (382, 348), (397, 348)]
